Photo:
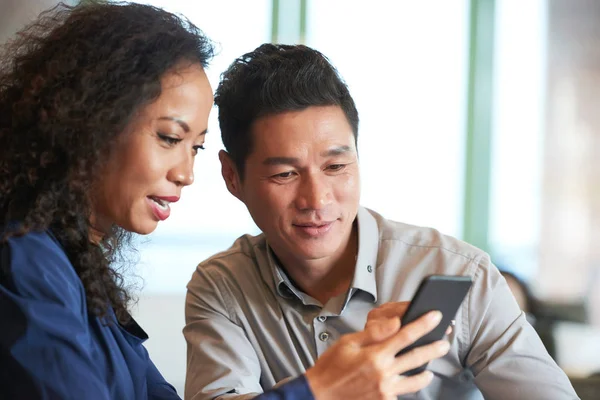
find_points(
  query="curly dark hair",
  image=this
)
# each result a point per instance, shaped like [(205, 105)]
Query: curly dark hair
[(70, 82), (272, 79)]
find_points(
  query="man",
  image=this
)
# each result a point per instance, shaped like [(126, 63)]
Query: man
[(267, 308)]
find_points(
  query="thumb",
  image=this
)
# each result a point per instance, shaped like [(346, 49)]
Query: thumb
[(379, 330)]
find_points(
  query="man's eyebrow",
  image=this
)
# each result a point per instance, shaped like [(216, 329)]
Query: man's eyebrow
[(336, 151), (281, 161), (181, 123)]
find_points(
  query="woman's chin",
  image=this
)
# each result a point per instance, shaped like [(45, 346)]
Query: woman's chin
[(147, 230), (142, 228)]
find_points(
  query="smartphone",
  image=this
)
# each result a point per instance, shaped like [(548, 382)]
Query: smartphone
[(444, 293)]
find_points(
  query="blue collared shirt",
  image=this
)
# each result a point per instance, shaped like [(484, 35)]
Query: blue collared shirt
[(51, 348)]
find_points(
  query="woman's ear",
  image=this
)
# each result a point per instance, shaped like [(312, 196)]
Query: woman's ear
[(230, 175)]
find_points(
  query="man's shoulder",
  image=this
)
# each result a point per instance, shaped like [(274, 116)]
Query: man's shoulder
[(233, 275), (242, 255), (424, 238)]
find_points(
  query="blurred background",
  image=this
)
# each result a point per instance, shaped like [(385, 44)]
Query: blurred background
[(486, 111)]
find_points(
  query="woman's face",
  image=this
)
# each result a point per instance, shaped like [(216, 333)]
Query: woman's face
[(154, 157)]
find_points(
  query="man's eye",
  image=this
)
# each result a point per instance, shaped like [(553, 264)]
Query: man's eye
[(336, 167), (284, 175)]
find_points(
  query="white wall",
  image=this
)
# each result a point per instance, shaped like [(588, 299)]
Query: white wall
[(14, 14), (162, 317)]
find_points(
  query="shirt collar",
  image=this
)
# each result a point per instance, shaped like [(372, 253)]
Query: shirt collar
[(364, 272), (366, 260), (283, 285)]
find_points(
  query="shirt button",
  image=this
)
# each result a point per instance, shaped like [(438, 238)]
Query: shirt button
[(369, 268), (321, 318), (324, 336)]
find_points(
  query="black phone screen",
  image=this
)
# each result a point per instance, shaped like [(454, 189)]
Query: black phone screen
[(444, 293)]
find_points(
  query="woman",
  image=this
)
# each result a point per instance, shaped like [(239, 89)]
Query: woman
[(103, 108)]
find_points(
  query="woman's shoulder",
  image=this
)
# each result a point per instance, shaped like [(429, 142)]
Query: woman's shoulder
[(35, 264), (39, 240), (35, 248)]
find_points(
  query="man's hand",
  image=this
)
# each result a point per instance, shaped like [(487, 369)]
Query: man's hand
[(364, 365), (391, 310)]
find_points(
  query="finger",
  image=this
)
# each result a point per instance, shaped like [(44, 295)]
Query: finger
[(378, 319), (388, 310), (411, 332), (376, 332), (420, 355), (450, 327), (405, 385)]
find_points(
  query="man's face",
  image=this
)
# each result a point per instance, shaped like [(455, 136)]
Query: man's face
[(301, 183)]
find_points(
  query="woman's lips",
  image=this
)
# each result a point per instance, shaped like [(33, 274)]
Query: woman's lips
[(160, 211)]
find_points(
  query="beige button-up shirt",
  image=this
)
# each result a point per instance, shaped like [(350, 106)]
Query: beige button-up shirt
[(248, 327)]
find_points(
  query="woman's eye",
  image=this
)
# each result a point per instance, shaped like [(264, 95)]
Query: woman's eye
[(171, 141), (199, 147)]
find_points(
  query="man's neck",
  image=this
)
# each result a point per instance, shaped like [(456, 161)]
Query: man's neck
[(326, 278)]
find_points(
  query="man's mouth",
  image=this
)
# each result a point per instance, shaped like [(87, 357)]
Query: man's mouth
[(314, 229)]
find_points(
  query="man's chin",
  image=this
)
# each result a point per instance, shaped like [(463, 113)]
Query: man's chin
[(304, 250), (315, 253)]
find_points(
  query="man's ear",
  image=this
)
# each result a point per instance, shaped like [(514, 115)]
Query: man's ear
[(230, 175)]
